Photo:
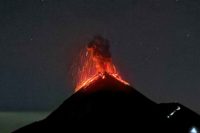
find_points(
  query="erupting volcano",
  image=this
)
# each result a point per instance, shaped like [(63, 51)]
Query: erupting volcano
[(95, 62), (104, 102)]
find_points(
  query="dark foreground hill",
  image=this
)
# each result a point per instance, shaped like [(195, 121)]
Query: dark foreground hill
[(107, 105)]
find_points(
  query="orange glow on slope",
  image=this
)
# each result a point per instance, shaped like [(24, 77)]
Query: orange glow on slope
[(95, 62)]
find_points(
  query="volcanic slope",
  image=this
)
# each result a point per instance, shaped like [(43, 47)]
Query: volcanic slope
[(107, 104)]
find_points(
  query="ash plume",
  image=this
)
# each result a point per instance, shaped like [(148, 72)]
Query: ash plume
[(99, 49)]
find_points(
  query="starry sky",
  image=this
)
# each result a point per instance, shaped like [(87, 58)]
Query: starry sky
[(155, 45)]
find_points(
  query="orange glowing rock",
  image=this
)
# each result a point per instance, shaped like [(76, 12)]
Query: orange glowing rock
[(95, 62)]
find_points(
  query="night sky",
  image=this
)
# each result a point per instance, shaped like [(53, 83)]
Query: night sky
[(155, 45)]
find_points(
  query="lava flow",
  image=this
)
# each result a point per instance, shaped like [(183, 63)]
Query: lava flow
[(95, 62)]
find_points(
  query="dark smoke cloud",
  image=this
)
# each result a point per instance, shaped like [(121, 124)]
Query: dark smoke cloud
[(100, 47)]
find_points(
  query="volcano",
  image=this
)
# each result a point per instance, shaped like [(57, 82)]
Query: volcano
[(104, 102), (107, 104)]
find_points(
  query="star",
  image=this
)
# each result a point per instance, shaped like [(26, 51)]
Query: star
[(188, 35)]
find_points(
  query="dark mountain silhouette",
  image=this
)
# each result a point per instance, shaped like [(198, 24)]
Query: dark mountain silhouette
[(107, 105)]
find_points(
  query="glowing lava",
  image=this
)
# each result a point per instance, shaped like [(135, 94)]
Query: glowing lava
[(95, 61)]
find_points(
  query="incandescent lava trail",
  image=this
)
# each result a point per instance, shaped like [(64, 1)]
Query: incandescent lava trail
[(95, 62)]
